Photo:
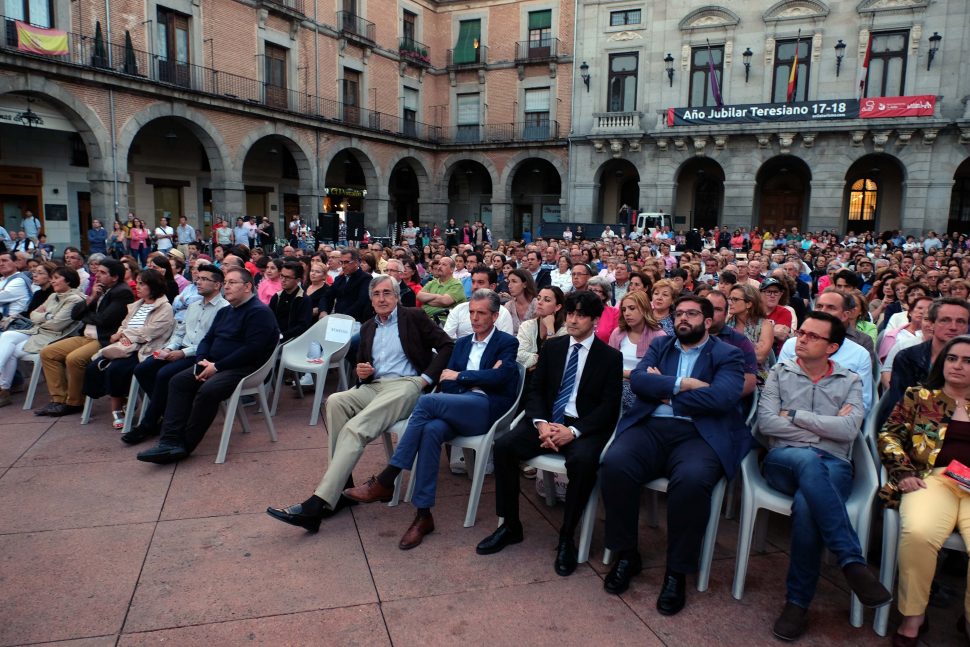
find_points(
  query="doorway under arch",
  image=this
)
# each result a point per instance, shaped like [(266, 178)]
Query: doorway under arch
[(960, 200), (700, 192), (619, 185), (782, 191), (873, 194)]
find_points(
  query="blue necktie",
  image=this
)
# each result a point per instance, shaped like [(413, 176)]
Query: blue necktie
[(566, 389)]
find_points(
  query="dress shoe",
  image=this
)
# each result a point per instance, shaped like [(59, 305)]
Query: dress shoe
[(48, 408), (792, 622), (59, 409), (565, 557), (295, 516), (138, 434), (899, 640), (163, 454), (618, 579), (421, 526), (673, 595), (4, 397), (502, 537), (866, 586), (370, 492)]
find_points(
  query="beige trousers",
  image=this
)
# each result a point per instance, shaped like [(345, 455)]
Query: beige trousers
[(927, 517), (64, 362), (357, 416)]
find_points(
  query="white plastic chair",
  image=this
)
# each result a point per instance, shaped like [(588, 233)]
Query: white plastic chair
[(252, 384), (293, 356), (710, 535), (133, 392), (35, 375), (756, 495), (481, 445)]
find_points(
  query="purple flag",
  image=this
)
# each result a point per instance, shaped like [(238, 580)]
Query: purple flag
[(715, 87)]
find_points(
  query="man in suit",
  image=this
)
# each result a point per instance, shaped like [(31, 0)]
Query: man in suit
[(571, 409), (396, 363), (478, 387), (348, 294), (687, 425), (533, 263)]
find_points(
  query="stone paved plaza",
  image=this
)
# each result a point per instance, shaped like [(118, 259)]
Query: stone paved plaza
[(99, 549)]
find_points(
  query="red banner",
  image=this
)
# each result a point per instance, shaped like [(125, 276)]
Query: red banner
[(880, 107)]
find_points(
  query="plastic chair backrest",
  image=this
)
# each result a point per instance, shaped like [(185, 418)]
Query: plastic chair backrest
[(257, 377), (311, 334), (339, 328)]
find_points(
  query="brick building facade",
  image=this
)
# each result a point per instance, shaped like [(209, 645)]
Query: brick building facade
[(399, 109)]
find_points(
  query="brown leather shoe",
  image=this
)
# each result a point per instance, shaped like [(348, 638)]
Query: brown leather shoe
[(420, 527), (369, 492)]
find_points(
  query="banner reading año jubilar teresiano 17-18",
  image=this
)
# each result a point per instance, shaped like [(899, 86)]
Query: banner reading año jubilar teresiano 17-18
[(764, 113)]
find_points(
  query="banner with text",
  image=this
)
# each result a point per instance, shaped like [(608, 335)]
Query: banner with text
[(764, 113), (881, 107)]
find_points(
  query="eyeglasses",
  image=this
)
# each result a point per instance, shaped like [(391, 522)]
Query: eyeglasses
[(235, 283), (384, 294), (289, 277), (343, 262), (736, 299), (206, 279), (690, 314), (810, 336)]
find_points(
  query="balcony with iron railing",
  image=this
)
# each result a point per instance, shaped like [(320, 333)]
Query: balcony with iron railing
[(135, 65), (413, 52), (467, 59), (537, 51), (288, 6), (354, 28)]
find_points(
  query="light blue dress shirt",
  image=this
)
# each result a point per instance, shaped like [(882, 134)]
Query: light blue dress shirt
[(389, 358), (684, 368)]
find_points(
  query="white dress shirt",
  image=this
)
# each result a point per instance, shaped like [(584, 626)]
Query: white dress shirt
[(459, 322)]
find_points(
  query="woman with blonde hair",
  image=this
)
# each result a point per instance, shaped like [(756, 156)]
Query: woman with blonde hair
[(746, 314), (662, 299), (632, 337)]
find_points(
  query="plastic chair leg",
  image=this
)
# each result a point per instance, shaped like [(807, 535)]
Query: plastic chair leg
[(710, 536), (745, 536), (317, 399), (32, 387), (607, 556), (887, 568), (86, 414), (145, 400), (586, 528), (478, 481), (412, 482), (277, 390), (549, 479), (243, 418), (264, 405), (231, 409), (132, 405)]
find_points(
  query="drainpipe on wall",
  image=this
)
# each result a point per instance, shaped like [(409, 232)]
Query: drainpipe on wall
[(573, 102), (111, 110)]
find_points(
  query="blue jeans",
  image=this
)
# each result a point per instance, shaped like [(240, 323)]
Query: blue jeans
[(820, 484), (436, 419)]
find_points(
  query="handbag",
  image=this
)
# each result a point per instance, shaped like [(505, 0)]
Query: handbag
[(117, 350), (18, 322)]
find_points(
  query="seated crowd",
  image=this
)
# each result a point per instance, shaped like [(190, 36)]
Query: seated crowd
[(640, 363)]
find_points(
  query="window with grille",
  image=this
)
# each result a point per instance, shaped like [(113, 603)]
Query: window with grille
[(624, 17), (622, 82), (468, 117), (536, 113)]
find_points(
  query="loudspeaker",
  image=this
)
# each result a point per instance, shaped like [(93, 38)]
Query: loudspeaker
[(355, 226), (328, 227)]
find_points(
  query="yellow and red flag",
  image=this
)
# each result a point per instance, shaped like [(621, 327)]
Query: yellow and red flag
[(38, 40), (793, 76)]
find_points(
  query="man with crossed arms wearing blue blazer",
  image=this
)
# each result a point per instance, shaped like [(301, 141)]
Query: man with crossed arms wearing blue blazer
[(479, 386), (687, 425)]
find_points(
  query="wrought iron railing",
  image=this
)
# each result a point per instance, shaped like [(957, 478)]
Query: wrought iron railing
[(467, 59), (412, 51), (541, 49), (355, 27), (295, 5)]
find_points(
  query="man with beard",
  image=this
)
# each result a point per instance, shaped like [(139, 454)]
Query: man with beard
[(687, 425)]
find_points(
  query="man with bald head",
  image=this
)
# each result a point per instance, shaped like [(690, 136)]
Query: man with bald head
[(443, 292)]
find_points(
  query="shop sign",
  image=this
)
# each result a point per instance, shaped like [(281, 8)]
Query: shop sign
[(345, 192)]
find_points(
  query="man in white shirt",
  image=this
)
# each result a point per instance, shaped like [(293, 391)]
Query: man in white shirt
[(459, 323), (74, 260), (163, 235), (15, 289)]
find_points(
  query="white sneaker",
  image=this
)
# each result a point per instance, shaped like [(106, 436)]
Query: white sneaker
[(306, 380)]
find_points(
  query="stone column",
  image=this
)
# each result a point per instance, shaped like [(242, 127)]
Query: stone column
[(825, 205), (103, 205), (926, 206), (585, 202), (310, 205), (501, 220), (228, 198), (738, 210), (433, 210)]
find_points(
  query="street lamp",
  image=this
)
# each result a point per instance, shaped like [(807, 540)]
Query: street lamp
[(839, 55), (934, 46), (669, 61), (584, 74), (747, 62), (29, 118)]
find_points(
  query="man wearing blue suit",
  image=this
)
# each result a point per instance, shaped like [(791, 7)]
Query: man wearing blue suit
[(480, 385), (686, 425)]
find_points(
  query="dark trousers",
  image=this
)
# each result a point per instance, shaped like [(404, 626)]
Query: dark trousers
[(153, 376), (582, 461), (114, 380), (192, 405), (663, 447)]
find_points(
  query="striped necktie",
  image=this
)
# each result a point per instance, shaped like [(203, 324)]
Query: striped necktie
[(566, 389)]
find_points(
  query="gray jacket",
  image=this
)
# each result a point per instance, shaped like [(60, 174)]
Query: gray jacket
[(816, 422)]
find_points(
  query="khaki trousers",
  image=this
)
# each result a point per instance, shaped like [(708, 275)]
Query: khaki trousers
[(927, 517), (357, 416), (64, 362)]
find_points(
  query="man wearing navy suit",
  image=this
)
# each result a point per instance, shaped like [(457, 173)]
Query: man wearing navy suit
[(479, 386), (686, 425), (584, 377)]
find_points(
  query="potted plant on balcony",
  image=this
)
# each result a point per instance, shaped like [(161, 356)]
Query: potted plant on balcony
[(100, 56), (414, 54), (131, 63)]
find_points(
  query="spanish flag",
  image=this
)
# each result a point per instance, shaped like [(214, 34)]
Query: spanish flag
[(38, 40), (793, 76)]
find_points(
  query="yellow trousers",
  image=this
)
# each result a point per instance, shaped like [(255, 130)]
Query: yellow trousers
[(64, 362), (927, 518)]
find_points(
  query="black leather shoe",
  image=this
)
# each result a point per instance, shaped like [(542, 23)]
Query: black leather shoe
[(47, 409), (502, 537), (673, 595), (60, 409), (565, 557), (163, 454), (138, 434), (295, 516), (618, 579)]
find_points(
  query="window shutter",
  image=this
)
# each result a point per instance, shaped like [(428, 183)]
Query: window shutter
[(540, 19), (469, 34), (537, 100), (468, 109)]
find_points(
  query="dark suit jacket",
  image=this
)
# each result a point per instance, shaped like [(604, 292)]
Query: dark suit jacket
[(501, 384), (715, 410), (910, 368), (106, 314), (349, 296), (600, 385), (543, 279), (419, 338)]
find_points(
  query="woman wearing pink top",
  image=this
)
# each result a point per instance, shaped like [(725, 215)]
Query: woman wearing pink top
[(138, 241), (271, 283), (637, 328)]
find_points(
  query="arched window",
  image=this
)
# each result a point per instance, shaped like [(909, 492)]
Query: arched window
[(862, 203)]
